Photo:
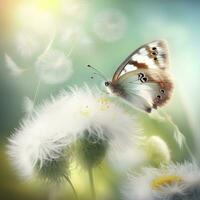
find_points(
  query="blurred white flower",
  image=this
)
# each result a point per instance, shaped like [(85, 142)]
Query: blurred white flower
[(28, 105), (26, 43), (13, 68), (43, 138), (54, 67), (110, 25), (176, 181)]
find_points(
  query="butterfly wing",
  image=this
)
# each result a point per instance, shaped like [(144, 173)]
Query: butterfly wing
[(145, 89), (143, 78), (153, 55), (136, 93)]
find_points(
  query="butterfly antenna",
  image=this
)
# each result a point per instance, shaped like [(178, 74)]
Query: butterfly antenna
[(98, 72)]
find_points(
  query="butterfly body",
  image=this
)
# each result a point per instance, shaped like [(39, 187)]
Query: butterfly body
[(143, 79)]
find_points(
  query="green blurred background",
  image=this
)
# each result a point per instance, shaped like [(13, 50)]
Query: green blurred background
[(100, 33)]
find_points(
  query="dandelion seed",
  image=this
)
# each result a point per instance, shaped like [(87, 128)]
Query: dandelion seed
[(54, 67), (14, 69), (176, 181), (110, 25)]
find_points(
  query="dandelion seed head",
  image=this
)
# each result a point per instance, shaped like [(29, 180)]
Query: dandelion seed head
[(103, 134), (56, 170), (100, 111), (54, 67), (110, 25), (59, 123)]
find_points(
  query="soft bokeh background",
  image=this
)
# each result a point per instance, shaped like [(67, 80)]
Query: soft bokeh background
[(45, 46)]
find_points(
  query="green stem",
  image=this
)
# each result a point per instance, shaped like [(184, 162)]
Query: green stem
[(91, 178), (72, 186)]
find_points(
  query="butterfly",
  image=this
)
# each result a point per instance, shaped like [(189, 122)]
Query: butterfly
[(143, 78)]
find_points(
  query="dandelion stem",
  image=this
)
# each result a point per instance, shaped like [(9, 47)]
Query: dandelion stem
[(72, 186), (91, 179), (48, 46)]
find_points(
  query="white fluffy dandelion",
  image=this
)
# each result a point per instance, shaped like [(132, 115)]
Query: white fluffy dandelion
[(176, 181), (54, 67), (44, 138), (110, 25)]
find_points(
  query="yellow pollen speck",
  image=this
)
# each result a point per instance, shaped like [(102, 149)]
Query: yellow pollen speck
[(104, 103), (164, 180), (85, 111)]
